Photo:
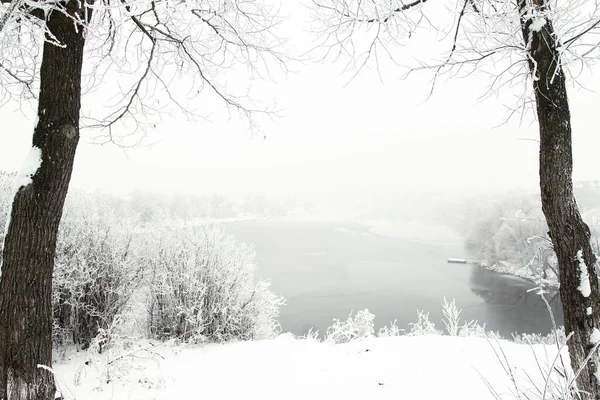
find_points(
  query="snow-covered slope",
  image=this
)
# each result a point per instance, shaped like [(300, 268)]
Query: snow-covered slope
[(405, 367)]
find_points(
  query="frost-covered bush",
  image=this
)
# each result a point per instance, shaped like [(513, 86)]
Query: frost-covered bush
[(95, 273), (451, 317), (518, 239), (423, 326), (453, 323), (536, 338), (311, 335), (203, 287), (454, 326), (114, 357), (510, 231), (183, 283), (359, 326), (391, 330)]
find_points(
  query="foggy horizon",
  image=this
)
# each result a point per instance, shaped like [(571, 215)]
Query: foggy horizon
[(333, 132)]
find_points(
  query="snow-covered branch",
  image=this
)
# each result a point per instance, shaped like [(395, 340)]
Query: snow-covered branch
[(162, 54), (472, 35)]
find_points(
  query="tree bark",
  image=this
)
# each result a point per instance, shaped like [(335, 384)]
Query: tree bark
[(30, 242), (570, 235)]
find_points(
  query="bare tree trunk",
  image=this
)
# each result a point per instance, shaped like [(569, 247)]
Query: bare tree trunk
[(570, 235), (30, 243)]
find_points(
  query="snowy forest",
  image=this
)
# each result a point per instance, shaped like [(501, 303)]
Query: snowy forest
[(300, 199), (509, 234)]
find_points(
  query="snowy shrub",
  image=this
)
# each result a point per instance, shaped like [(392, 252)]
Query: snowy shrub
[(451, 317), (113, 356), (311, 335), (203, 287), (355, 327), (95, 274), (511, 233), (423, 326), (453, 325), (473, 329), (390, 331), (178, 283), (519, 240), (536, 338)]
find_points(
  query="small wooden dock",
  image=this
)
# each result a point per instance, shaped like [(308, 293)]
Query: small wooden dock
[(462, 261)]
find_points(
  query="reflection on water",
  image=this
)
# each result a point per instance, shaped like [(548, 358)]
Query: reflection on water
[(327, 269), (512, 303)]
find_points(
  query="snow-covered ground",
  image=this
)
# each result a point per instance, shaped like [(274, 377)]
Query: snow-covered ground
[(404, 367)]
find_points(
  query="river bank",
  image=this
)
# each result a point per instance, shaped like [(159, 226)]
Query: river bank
[(506, 268)]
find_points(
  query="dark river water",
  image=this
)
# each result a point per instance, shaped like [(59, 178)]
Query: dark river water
[(327, 269)]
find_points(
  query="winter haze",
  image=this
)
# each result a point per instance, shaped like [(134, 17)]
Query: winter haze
[(372, 231), (334, 132)]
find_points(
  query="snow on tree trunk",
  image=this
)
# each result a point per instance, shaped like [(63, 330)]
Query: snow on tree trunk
[(30, 243), (570, 235)]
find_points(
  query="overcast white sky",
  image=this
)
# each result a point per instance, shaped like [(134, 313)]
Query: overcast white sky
[(366, 134)]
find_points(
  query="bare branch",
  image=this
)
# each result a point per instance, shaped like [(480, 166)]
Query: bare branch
[(14, 5), (584, 32), (151, 49)]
